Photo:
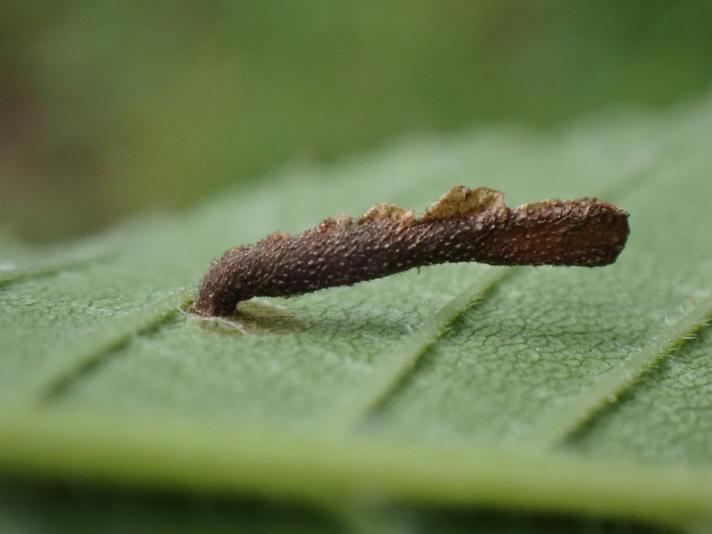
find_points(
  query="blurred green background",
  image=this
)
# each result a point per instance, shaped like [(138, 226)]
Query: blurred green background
[(110, 108)]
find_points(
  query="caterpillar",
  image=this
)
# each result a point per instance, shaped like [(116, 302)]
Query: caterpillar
[(461, 226)]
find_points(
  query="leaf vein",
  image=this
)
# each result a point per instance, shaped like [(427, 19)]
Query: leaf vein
[(608, 389), (76, 357), (403, 358)]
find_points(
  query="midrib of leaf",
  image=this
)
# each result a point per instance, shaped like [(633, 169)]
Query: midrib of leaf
[(608, 388), (327, 470)]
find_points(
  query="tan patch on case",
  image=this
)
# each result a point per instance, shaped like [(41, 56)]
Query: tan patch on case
[(387, 211), (461, 201), (277, 236)]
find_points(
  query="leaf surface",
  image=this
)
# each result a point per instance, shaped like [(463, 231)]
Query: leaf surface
[(565, 391)]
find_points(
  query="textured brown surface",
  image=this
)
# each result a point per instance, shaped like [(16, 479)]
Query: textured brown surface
[(463, 225)]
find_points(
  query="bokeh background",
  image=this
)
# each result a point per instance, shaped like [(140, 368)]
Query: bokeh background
[(113, 108)]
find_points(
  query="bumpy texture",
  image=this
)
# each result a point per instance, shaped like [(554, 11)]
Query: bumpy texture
[(463, 225)]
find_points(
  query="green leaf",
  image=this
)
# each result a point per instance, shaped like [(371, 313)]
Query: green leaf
[(567, 392)]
